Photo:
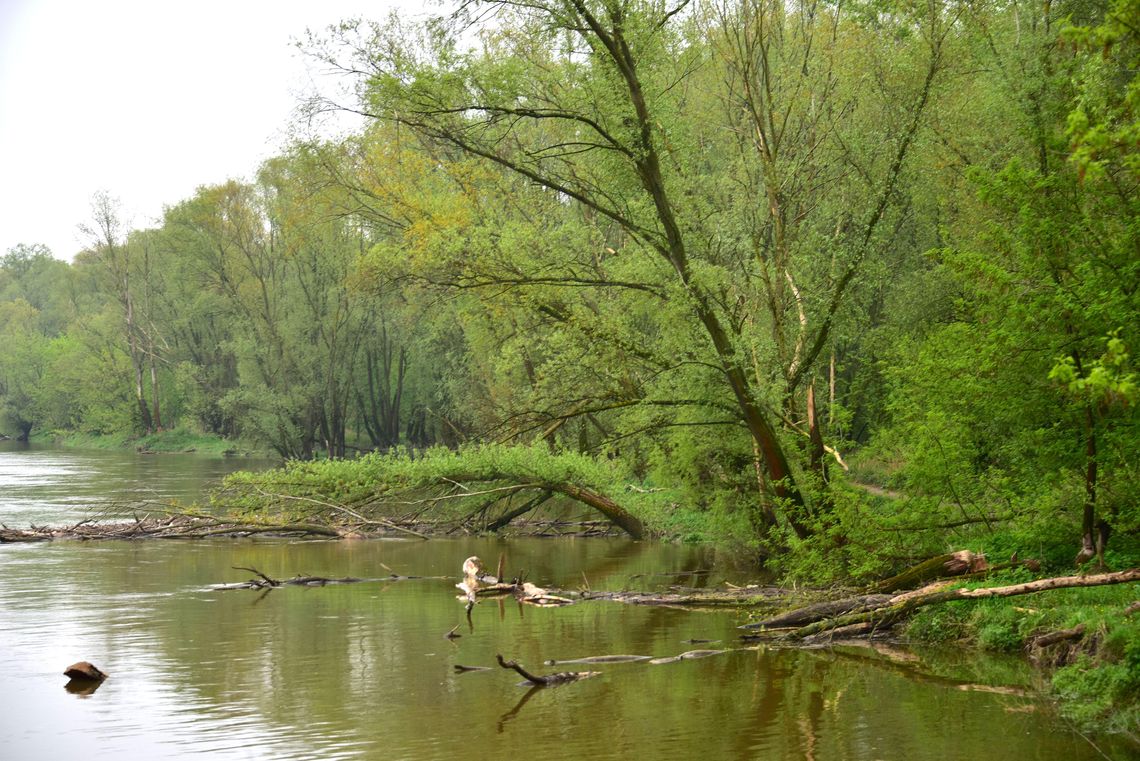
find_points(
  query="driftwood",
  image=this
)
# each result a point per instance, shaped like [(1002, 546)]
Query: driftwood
[(687, 656), (476, 583), (602, 659), (15, 535), (899, 607), (548, 680), (265, 582), (461, 669)]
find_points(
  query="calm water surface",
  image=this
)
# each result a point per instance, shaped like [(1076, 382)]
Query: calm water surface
[(45, 485), (363, 671)]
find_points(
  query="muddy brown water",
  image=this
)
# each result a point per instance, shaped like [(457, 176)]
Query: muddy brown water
[(364, 671)]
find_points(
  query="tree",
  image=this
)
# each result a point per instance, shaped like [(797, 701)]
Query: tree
[(587, 101), (110, 250)]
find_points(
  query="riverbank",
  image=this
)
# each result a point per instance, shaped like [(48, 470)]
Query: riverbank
[(174, 441), (1092, 664)]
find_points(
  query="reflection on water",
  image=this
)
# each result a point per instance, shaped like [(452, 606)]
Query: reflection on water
[(53, 486), (366, 671)]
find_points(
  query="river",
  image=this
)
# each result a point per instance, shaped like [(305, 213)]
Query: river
[(364, 670)]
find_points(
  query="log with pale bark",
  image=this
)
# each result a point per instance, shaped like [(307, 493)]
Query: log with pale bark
[(899, 607)]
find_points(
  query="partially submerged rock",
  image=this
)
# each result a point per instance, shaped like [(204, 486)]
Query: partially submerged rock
[(84, 671)]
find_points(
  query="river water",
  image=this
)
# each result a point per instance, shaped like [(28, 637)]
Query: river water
[(364, 671)]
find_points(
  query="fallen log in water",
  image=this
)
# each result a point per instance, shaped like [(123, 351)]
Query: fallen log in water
[(687, 656), (266, 582), (547, 680), (461, 669), (740, 597), (819, 611), (601, 659), (8, 535), (169, 526), (263, 581)]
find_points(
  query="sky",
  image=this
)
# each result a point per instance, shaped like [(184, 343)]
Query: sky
[(146, 100)]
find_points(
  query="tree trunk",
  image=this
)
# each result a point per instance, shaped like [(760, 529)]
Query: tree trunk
[(136, 359), (510, 515), (1092, 543), (818, 464), (154, 391), (604, 505)]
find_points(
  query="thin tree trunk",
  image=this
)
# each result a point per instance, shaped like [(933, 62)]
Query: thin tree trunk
[(154, 391)]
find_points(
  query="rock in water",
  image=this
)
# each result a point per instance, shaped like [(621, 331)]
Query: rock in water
[(85, 671)]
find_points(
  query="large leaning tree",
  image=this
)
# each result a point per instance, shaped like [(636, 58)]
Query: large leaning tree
[(752, 153)]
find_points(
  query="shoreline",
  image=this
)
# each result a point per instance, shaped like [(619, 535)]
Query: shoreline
[(173, 441)]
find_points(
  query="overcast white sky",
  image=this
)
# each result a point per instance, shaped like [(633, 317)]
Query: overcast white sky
[(146, 99)]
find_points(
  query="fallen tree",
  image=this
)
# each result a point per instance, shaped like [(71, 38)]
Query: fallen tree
[(401, 487), (889, 612), (169, 526), (951, 564)]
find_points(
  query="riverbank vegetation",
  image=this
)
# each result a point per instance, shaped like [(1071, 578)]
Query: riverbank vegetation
[(683, 263), (181, 439)]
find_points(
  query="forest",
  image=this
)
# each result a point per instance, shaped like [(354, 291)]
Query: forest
[(742, 270)]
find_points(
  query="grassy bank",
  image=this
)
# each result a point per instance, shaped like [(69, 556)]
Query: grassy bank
[(173, 441)]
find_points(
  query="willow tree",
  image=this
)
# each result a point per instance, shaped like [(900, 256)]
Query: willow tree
[(125, 273), (605, 106)]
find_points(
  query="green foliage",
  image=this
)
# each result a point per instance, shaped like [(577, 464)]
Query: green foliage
[(1104, 127), (1107, 381)]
